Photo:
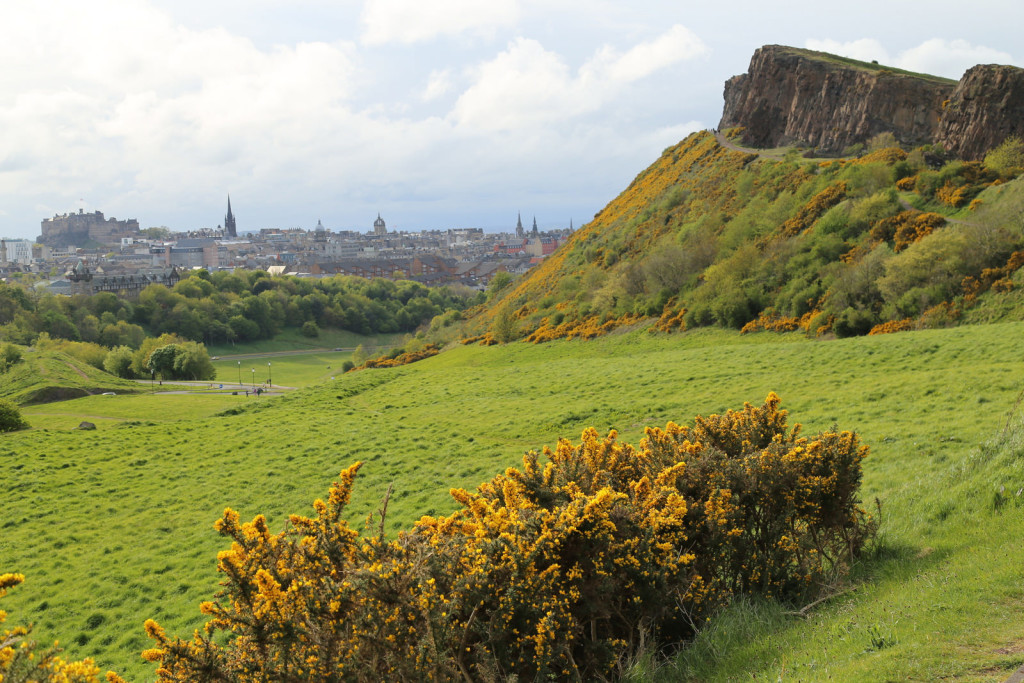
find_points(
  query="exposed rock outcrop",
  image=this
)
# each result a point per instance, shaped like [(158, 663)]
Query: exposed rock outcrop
[(793, 96), (799, 96), (986, 108)]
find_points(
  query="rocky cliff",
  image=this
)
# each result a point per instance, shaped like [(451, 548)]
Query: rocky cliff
[(986, 108), (792, 96)]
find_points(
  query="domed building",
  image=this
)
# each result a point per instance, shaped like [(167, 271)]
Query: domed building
[(378, 226)]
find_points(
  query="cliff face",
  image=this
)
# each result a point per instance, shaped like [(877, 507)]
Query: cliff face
[(799, 96), (986, 108)]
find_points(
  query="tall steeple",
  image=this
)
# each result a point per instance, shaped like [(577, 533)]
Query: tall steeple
[(229, 222), (519, 226), (535, 231)]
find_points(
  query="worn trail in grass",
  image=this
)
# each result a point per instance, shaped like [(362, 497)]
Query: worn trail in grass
[(115, 525)]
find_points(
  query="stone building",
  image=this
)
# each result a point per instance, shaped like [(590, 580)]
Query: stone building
[(86, 229)]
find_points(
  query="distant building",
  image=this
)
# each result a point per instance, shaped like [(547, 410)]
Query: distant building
[(520, 233), (229, 222), (86, 229), (15, 251), (378, 226), (84, 281)]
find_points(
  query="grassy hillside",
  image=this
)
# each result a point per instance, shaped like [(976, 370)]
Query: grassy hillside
[(46, 376), (114, 526), (707, 236)]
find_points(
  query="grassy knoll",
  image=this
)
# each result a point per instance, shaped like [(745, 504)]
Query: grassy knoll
[(45, 376), (114, 526)]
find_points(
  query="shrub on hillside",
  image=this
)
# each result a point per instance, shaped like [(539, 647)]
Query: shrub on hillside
[(558, 570), (10, 418), (10, 354)]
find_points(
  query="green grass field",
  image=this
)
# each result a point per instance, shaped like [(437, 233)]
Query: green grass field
[(290, 339), (291, 370), (113, 526)]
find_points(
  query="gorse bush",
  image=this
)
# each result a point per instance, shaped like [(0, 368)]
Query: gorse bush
[(558, 570)]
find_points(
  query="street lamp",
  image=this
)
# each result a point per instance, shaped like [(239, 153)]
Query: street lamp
[(239, 373), (254, 379), (270, 377)]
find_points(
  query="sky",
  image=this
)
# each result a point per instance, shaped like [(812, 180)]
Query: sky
[(435, 113)]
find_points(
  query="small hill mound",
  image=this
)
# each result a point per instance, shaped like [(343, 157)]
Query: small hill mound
[(47, 376)]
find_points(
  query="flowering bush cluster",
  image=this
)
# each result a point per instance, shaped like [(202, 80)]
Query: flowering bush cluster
[(588, 328), (402, 358), (891, 326), (770, 321), (555, 570), (906, 227), (812, 210)]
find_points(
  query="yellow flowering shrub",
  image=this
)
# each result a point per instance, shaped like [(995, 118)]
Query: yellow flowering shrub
[(891, 326), (403, 358), (558, 570), (906, 227), (815, 208)]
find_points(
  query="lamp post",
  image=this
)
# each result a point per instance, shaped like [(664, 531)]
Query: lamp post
[(254, 379), (270, 377), (239, 373)]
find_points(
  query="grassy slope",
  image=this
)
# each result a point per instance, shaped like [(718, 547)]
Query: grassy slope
[(291, 339), (49, 376), (114, 526)]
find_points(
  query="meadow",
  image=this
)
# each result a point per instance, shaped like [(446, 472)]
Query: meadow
[(113, 526)]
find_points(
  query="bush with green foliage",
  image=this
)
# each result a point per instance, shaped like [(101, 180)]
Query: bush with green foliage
[(10, 418), (10, 354)]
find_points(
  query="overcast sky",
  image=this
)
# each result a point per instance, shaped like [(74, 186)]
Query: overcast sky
[(436, 113)]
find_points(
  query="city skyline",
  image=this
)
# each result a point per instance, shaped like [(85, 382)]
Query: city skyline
[(442, 114)]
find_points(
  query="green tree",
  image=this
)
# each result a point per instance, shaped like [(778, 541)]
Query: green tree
[(499, 281), (9, 355), (191, 361), (504, 327), (119, 362), (10, 418)]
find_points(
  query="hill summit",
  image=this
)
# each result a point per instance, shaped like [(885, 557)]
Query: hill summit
[(793, 96)]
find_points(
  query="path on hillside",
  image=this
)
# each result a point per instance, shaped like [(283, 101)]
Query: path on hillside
[(729, 144), (211, 387)]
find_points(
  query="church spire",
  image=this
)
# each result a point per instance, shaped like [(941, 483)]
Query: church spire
[(519, 225), (229, 222), (535, 231)]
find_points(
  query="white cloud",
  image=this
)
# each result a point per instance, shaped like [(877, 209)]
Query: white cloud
[(415, 21), (439, 83), (526, 84), (676, 45), (950, 58)]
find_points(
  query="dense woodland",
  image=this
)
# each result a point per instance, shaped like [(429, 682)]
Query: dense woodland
[(219, 308)]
